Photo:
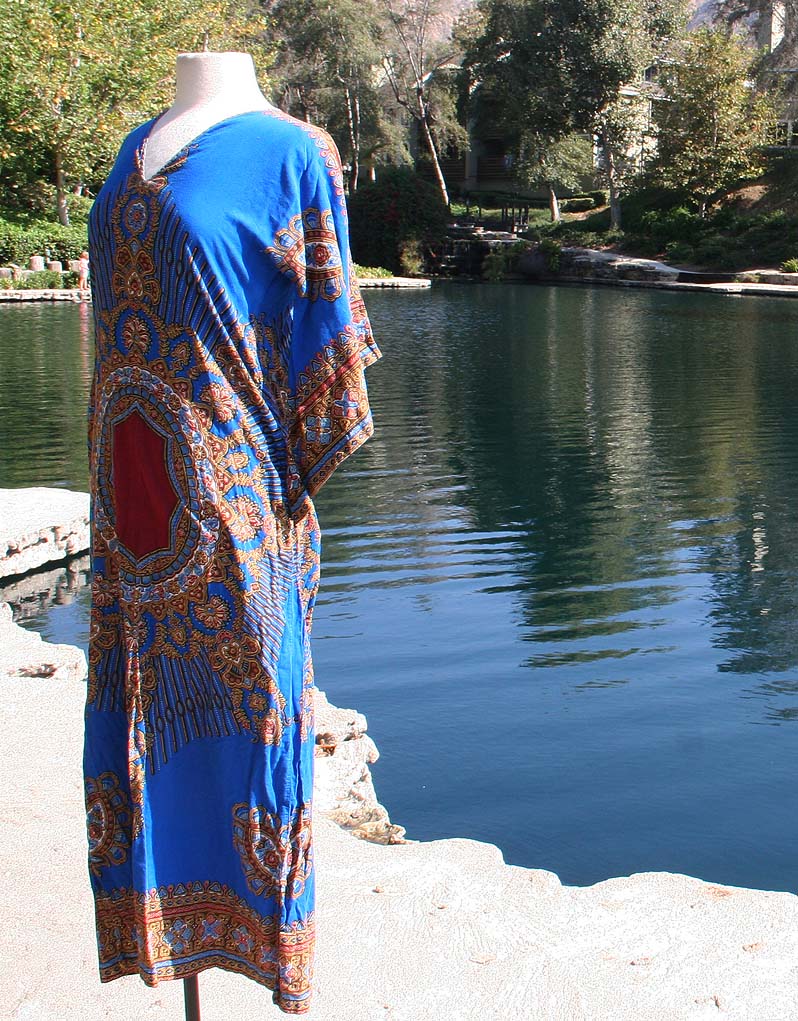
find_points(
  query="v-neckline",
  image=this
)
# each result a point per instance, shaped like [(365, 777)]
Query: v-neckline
[(141, 148)]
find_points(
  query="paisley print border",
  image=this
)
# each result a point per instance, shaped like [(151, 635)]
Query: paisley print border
[(176, 931)]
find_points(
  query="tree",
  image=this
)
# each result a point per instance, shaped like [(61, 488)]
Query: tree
[(713, 120), (555, 165), (327, 65), (74, 76), (555, 67), (620, 132), (420, 61), (772, 26)]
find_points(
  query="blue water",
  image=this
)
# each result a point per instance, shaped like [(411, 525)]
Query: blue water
[(560, 580)]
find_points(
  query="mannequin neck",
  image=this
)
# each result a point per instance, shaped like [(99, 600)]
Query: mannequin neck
[(210, 88), (215, 78)]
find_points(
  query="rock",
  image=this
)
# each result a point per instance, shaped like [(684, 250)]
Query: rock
[(39, 526), (592, 264), (533, 264), (24, 654), (344, 789)]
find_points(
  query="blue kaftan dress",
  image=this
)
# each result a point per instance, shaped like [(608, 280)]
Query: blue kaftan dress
[(231, 343)]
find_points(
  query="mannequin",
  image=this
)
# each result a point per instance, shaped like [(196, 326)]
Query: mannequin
[(210, 88), (228, 387)]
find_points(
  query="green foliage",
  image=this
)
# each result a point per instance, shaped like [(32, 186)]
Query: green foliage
[(577, 204), (18, 242), (419, 63), (394, 220), (68, 71), (502, 260), (552, 68), (725, 240), (713, 122), (44, 280), (371, 272), (680, 251), (549, 66), (790, 266), (552, 251), (669, 225), (638, 203), (325, 72), (560, 165), (596, 221)]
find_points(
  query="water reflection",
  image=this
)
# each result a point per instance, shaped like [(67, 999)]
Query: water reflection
[(593, 490), (53, 601)]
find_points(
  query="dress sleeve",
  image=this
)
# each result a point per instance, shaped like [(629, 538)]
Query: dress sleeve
[(331, 340)]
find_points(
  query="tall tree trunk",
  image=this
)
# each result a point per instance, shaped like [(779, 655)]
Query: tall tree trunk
[(554, 205), (356, 147), (432, 148), (60, 190), (353, 123), (303, 104), (612, 182)]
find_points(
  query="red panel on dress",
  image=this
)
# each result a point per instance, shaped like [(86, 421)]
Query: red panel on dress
[(144, 497)]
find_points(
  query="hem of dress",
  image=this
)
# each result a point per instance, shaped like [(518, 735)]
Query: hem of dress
[(130, 968)]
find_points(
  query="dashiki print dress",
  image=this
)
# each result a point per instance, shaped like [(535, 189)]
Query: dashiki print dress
[(231, 343)]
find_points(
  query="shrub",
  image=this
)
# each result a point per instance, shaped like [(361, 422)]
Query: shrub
[(18, 242), (551, 249), (370, 272), (503, 259), (395, 220), (714, 251), (43, 280), (680, 251), (596, 221), (600, 197), (494, 265), (636, 204), (677, 224), (789, 266), (578, 204)]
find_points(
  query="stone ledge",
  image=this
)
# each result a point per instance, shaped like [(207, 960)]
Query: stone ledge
[(40, 526), (394, 282), (45, 294)]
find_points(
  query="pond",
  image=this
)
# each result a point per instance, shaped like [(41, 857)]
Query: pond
[(561, 580)]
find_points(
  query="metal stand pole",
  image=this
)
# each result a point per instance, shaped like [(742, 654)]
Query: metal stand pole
[(191, 994)]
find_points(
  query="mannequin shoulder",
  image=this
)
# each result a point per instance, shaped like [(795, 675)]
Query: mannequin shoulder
[(296, 138)]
